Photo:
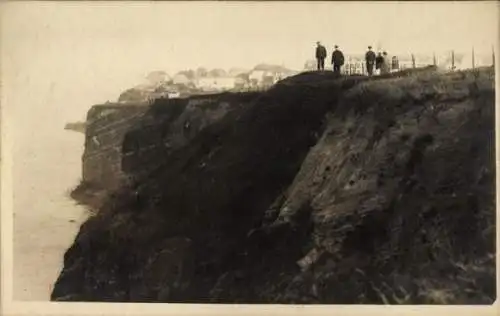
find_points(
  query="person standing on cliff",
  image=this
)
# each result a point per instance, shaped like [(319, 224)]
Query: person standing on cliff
[(337, 60), (320, 56), (370, 61), (395, 63), (379, 60), (385, 68)]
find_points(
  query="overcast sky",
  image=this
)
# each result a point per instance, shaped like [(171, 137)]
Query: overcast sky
[(71, 55)]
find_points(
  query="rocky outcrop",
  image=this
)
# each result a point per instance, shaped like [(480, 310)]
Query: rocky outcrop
[(76, 126), (320, 190), (123, 141)]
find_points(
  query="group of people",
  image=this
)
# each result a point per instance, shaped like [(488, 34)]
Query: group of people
[(374, 63)]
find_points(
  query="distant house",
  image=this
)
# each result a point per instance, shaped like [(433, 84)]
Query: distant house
[(242, 81), (216, 83), (256, 76), (310, 65), (162, 95), (181, 79), (234, 72), (172, 95), (190, 74), (266, 78)]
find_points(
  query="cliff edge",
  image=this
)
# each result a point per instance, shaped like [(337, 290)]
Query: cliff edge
[(319, 190)]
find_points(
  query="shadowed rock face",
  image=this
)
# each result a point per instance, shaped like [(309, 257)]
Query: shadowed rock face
[(365, 183), (123, 141)]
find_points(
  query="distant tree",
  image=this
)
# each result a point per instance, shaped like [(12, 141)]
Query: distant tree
[(244, 76), (234, 72), (272, 68), (201, 72), (156, 77), (190, 74), (217, 73), (132, 95)]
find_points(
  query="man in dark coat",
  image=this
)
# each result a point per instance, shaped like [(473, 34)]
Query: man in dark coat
[(370, 61), (337, 60), (379, 61), (320, 56)]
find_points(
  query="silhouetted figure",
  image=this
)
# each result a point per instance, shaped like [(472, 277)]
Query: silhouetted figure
[(379, 60), (385, 68), (337, 60), (395, 63), (320, 56), (370, 61)]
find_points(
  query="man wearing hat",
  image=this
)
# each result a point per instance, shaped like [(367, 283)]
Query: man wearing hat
[(337, 60), (379, 60), (370, 61), (320, 56)]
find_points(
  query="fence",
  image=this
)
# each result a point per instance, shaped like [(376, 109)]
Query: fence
[(359, 67)]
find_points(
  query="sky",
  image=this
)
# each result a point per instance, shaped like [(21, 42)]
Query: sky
[(60, 58)]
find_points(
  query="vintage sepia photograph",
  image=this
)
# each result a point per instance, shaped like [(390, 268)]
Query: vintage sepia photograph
[(293, 153)]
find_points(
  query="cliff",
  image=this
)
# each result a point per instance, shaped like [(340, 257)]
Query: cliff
[(320, 190)]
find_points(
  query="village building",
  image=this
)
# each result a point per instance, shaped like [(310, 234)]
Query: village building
[(234, 72), (256, 77), (310, 65), (266, 78), (216, 83), (181, 79)]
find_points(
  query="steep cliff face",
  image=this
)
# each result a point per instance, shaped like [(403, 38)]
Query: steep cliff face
[(320, 190), (124, 141)]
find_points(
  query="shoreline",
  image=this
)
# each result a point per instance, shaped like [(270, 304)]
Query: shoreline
[(46, 218)]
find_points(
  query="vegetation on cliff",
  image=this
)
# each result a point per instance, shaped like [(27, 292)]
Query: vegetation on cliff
[(320, 190)]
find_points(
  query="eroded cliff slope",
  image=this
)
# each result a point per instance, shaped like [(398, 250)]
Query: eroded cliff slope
[(320, 190)]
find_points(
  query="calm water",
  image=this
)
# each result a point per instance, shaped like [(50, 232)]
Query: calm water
[(46, 165)]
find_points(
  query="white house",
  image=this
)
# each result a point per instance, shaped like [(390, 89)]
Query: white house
[(257, 75), (233, 72), (267, 77), (310, 65), (181, 79), (216, 83)]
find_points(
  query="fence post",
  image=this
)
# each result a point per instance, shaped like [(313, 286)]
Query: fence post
[(452, 60), (413, 60), (434, 59), (493, 56), (473, 63)]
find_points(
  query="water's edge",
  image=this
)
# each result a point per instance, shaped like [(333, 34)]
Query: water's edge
[(46, 219)]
